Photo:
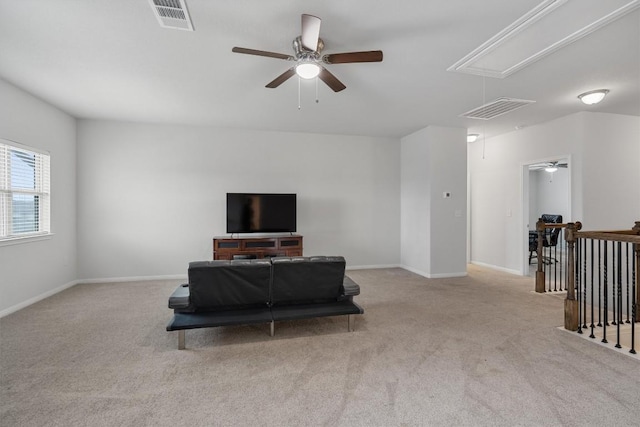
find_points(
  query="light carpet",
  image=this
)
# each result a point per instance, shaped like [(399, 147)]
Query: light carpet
[(477, 350)]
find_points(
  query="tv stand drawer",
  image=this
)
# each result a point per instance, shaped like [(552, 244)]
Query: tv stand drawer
[(259, 243), (228, 248)]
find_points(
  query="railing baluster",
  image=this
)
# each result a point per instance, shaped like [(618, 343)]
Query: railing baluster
[(563, 260), (545, 264), (613, 274), (584, 285), (563, 247), (578, 269), (618, 308), (606, 293), (592, 325), (628, 297), (636, 295), (555, 269), (599, 281)]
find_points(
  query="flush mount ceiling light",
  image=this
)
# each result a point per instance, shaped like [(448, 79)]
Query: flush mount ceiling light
[(307, 70), (472, 137), (593, 96)]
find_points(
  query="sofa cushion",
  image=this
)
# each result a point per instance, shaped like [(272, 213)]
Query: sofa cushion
[(350, 288), (223, 284), (306, 279), (179, 299)]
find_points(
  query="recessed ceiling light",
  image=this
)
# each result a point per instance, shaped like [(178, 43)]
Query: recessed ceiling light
[(593, 96), (472, 137), (307, 70)]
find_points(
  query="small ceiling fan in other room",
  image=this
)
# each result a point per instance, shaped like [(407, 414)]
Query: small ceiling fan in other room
[(549, 166), (307, 49)]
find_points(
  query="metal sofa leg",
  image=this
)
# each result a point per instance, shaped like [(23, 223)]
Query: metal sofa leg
[(181, 339), (273, 328), (350, 322)]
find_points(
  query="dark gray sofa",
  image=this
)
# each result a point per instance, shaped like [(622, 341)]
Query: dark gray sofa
[(223, 293)]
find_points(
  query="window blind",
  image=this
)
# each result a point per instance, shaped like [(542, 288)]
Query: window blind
[(24, 191)]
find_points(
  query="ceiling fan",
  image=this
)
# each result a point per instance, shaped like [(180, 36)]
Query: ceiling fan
[(549, 166), (307, 54)]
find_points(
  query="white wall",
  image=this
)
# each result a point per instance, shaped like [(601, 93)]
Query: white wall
[(448, 216), (612, 172), (433, 228), (599, 199), (415, 202), (32, 270), (151, 197)]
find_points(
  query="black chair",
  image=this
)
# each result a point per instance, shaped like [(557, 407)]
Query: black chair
[(550, 237), (533, 245)]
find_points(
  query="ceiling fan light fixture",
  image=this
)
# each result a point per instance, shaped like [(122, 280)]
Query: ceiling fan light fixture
[(550, 169), (593, 96), (472, 137), (307, 70)]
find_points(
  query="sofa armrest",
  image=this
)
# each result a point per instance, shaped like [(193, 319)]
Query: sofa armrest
[(179, 299), (350, 288)]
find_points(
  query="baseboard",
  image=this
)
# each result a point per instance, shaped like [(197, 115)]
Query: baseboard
[(495, 267), (47, 294), (447, 275), (371, 267), (132, 279), (433, 276), (23, 304)]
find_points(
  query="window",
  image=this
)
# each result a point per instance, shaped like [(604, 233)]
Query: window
[(24, 191)]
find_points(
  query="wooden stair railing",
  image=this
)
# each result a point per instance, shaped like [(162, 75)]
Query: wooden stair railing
[(609, 260)]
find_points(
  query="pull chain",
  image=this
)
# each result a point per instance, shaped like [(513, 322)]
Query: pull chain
[(484, 101), (299, 90)]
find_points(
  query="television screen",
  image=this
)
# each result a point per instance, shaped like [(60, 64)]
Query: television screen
[(261, 213)]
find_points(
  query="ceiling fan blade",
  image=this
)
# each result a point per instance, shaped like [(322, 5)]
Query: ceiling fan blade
[(331, 80), (345, 58), (281, 78), (262, 53), (310, 32), (557, 165)]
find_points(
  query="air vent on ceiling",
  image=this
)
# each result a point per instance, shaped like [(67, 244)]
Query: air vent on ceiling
[(172, 14), (496, 108)]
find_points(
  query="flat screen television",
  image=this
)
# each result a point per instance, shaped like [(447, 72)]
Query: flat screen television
[(261, 213)]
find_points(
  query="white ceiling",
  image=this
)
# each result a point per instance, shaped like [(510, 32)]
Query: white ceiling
[(110, 59)]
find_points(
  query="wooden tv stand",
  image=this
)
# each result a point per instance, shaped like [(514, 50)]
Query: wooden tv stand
[(256, 247)]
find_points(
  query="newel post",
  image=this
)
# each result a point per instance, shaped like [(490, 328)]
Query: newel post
[(540, 279), (570, 304)]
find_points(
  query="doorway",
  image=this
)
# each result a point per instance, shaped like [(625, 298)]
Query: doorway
[(546, 190)]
